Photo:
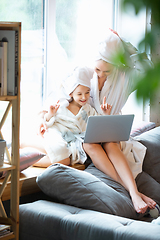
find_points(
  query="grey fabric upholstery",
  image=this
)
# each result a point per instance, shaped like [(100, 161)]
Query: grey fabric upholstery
[(145, 183), (151, 140), (91, 189), (148, 186), (45, 220), (82, 189)]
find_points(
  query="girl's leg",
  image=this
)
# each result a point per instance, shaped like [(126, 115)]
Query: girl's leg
[(46, 162), (118, 159), (56, 147), (34, 141)]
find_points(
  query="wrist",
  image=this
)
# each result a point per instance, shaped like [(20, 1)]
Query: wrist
[(47, 117)]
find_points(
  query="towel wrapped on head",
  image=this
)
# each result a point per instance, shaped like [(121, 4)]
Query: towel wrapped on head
[(80, 76), (109, 47)]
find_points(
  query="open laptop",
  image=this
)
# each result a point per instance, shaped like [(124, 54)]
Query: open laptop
[(108, 128)]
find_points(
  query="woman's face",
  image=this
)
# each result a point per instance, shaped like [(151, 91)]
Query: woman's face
[(103, 69)]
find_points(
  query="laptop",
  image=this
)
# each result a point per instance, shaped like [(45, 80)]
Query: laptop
[(108, 128)]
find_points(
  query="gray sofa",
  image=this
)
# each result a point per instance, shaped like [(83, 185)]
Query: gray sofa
[(88, 205)]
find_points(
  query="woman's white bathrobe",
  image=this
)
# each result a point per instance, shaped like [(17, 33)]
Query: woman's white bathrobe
[(65, 136), (121, 82)]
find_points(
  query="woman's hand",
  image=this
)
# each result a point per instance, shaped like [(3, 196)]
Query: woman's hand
[(113, 31), (106, 108)]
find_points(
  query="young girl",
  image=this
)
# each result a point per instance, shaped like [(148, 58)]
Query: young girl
[(67, 120), (67, 123)]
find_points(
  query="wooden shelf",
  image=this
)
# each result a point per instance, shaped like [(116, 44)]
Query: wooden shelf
[(10, 236), (7, 98), (6, 167), (12, 169)]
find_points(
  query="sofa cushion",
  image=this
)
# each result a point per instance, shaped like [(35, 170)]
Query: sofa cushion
[(151, 164), (45, 220), (141, 127), (27, 157), (148, 186), (82, 189), (145, 183)]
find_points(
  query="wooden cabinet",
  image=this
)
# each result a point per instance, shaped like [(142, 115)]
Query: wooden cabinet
[(12, 168)]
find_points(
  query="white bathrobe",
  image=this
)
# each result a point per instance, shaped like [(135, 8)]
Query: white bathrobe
[(117, 88), (65, 134), (121, 82)]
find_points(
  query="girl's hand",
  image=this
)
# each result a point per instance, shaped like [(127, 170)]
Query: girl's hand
[(43, 129), (106, 108), (53, 109)]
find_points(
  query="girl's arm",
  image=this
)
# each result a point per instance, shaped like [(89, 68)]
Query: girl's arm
[(52, 111), (49, 117)]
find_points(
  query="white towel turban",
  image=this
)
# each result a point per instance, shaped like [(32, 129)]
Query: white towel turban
[(80, 76), (109, 47)]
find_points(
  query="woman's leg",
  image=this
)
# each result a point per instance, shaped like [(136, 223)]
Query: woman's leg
[(102, 161), (120, 163)]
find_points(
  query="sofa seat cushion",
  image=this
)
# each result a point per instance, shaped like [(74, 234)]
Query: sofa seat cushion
[(81, 189), (44, 220)]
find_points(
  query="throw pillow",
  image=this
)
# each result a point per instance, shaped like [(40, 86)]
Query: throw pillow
[(81, 189), (28, 156), (141, 127)]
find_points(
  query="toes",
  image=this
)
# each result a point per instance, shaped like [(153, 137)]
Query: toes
[(142, 209)]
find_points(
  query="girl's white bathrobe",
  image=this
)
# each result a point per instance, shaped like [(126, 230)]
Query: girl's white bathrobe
[(65, 136)]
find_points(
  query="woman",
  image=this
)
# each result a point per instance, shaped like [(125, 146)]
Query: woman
[(111, 77), (116, 80)]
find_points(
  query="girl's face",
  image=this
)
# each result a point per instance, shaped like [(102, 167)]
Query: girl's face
[(80, 95), (103, 69)]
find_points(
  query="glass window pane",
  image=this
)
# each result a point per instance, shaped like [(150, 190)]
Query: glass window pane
[(78, 27), (80, 24), (30, 13)]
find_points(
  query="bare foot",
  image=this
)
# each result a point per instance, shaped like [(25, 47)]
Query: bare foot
[(139, 205), (150, 202)]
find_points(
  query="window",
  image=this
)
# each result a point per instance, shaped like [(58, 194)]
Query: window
[(77, 26), (57, 35), (31, 14)]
